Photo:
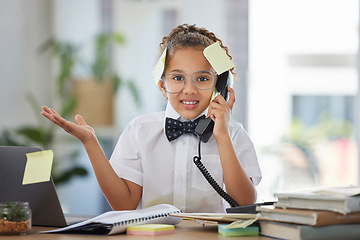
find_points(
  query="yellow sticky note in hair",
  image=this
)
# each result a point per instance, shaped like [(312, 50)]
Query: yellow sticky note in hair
[(38, 167), (218, 58), (159, 67)]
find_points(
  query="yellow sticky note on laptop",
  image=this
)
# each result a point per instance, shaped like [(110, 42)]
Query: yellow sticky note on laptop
[(38, 167)]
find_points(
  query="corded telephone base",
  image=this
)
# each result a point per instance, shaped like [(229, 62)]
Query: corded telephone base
[(247, 208)]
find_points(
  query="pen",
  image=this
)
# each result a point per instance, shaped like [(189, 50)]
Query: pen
[(200, 222)]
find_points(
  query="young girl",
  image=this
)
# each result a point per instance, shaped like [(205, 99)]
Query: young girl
[(149, 167)]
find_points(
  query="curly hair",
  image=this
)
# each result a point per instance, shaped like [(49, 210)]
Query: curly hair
[(186, 35)]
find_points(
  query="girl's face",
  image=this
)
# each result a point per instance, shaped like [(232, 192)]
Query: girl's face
[(191, 101)]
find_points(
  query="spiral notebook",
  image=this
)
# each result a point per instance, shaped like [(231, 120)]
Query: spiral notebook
[(114, 222)]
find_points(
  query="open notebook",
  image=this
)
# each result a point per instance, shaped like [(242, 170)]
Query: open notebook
[(114, 222)]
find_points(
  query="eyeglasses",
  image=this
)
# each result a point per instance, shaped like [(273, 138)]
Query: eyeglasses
[(175, 82)]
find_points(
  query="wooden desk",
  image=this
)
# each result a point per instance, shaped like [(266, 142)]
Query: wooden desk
[(187, 229)]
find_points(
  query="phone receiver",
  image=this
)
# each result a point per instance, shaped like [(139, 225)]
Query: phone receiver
[(205, 127)]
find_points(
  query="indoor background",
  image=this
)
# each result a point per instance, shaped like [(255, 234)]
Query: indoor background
[(297, 86)]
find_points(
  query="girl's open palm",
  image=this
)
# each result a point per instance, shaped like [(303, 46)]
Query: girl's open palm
[(80, 129)]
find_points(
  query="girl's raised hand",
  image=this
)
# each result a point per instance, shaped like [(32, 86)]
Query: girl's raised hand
[(220, 112), (80, 129)]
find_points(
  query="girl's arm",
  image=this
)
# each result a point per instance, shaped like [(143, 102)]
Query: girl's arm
[(120, 193), (237, 183)]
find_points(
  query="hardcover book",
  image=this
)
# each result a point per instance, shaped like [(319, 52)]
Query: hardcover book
[(338, 199), (307, 217), (303, 232)]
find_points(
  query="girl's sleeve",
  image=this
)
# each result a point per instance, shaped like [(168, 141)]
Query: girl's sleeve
[(245, 151), (126, 159)]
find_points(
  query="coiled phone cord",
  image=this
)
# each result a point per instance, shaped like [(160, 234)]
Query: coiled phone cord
[(211, 181)]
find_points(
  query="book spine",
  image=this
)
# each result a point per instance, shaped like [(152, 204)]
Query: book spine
[(352, 204), (303, 232), (331, 218), (333, 232), (334, 205)]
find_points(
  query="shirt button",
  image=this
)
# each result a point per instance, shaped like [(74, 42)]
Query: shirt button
[(183, 142), (180, 178)]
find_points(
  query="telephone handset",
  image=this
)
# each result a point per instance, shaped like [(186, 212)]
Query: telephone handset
[(205, 127)]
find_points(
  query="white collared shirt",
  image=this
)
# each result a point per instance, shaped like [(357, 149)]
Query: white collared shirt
[(166, 170)]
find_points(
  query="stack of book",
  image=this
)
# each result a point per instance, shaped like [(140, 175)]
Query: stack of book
[(332, 213)]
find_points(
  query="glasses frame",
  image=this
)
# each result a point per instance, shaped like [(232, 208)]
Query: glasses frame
[(164, 76)]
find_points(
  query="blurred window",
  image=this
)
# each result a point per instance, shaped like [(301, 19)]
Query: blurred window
[(302, 87)]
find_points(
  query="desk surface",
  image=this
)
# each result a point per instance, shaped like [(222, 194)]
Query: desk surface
[(187, 229)]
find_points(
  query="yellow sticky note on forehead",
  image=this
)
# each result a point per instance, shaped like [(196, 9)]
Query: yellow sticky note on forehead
[(218, 58), (159, 67)]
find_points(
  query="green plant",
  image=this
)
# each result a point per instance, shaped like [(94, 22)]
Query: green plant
[(68, 55), (14, 212), (326, 129), (101, 67)]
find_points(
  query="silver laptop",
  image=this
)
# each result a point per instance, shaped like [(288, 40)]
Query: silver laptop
[(42, 197)]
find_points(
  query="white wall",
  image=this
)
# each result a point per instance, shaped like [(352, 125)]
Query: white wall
[(24, 26), (141, 26), (78, 22), (212, 17)]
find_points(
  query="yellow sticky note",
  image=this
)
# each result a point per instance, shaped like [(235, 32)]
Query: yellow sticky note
[(159, 67), (150, 229), (38, 167), (218, 58)]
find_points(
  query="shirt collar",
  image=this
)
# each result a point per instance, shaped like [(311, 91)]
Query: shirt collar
[(171, 113)]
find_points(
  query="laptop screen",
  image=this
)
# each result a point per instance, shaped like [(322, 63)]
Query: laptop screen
[(42, 197)]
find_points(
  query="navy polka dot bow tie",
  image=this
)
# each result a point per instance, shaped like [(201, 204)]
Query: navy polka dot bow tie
[(175, 128)]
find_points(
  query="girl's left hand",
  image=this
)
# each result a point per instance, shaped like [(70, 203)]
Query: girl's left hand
[(220, 113)]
